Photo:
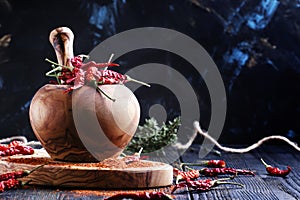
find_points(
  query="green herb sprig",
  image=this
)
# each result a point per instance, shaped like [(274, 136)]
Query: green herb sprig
[(151, 137)]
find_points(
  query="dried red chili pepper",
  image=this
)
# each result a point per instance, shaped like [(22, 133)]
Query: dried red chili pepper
[(223, 171), (15, 147), (18, 174), (67, 74), (88, 73), (9, 180), (98, 65), (208, 163), (203, 185), (193, 174), (275, 171), (112, 77), (3, 147), (141, 196), (94, 77), (9, 184), (188, 175), (16, 143), (14, 175), (25, 150), (77, 61), (216, 163)]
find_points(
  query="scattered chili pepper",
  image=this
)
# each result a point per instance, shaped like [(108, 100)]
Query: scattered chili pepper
[(208, 163), (9, 184), (275, 171), (222, 171), (203, 185), (140, 196), (188, 175)]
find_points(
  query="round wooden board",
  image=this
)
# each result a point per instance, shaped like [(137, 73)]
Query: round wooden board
[(71, 175)]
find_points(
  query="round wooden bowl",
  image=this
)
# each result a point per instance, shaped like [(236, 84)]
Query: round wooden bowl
[(85, 125)]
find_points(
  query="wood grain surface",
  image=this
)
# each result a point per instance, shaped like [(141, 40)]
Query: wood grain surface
[(262, 186), (62, 174), (259, 187), (87, 124), (84, 126)]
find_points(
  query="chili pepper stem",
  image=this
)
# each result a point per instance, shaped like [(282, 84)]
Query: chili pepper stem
[(25, 183), (231, 183), (225, 179), (56, 75), (34, 169), (106, 95), (140, 151), (189, 168), (109, 60), (265, 164), (185, 165), (54, 63), (137, 81), (84, 56), (93, 83), (208, 163), (53, 71)]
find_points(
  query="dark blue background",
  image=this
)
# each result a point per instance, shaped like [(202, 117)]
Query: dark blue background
[(255, 44)]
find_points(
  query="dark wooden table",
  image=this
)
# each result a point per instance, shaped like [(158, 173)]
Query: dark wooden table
[(261, 186)]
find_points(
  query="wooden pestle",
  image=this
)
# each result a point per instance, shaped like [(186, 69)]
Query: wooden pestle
[(62, 39)]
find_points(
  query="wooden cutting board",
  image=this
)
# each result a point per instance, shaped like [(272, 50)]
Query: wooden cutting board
[(60, 174)]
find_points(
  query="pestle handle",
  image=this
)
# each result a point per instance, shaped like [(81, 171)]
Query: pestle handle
[(62, 39)]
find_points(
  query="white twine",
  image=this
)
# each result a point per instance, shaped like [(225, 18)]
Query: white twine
[(197, 129), (247, 149)]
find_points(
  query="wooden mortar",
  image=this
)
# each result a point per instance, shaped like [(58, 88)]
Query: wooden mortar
[(67, 124)]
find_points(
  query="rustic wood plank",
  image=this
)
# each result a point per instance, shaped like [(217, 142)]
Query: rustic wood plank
[(262, 186), (288, 187), (54, 193)]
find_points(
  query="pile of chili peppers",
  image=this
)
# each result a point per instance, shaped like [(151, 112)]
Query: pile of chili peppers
[(217, 167), (91, 73), (212, 168), (15, 147)]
